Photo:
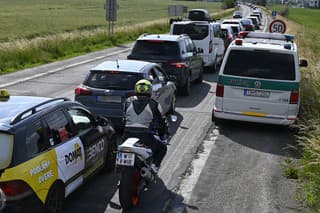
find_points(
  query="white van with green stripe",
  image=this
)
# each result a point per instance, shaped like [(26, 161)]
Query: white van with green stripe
[(259, 80)]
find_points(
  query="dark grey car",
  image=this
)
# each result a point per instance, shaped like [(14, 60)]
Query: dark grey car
[(108, 85)]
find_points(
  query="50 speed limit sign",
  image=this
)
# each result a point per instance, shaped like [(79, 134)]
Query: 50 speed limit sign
[(277, 26)]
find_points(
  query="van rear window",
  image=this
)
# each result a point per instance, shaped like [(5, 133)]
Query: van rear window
[(260, 64), (110, 80), (195, 32)]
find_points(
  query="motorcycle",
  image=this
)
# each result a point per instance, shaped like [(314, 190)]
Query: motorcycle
[(134, 160)]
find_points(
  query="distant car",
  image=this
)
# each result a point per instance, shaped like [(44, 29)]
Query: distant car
[(237, 14), (227, 34), (247, 24), (234, 21), (257, 16), (49, 148), (235, 29), (177, 55), (255, 22), (108, 85)]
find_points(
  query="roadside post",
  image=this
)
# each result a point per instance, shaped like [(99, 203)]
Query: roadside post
[(111, 8)]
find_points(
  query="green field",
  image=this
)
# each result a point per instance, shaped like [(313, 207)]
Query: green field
[(32, 18)]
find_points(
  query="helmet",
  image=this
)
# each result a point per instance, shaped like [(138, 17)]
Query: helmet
[(143, 87)]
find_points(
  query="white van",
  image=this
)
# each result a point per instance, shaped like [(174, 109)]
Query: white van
[(259, 80), (203, 35)]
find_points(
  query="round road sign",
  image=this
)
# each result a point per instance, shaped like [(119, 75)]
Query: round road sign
[(277, 26)]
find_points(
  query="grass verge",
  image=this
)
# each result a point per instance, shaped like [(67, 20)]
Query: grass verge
[(26, 53), (307, 169)]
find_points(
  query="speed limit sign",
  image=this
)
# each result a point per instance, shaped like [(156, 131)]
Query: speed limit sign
[(277, 26)]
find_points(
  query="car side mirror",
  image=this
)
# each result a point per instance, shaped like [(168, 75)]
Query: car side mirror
[(172, 78), (303, 63)]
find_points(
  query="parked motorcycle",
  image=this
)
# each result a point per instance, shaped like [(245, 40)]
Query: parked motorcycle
[(134, 161)]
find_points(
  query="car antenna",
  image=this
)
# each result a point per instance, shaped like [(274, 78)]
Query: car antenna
[(117, 64)]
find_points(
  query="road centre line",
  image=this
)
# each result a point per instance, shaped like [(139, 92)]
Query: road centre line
[(62, 68)]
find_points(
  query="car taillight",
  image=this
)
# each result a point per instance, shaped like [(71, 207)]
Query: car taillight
[(15, 188), (179, 65), (229, 37), (210, 46), (129, 94), (82, 91), (294, 97), (219, 90)]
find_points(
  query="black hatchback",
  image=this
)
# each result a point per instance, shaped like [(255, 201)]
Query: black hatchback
[(176, 54)]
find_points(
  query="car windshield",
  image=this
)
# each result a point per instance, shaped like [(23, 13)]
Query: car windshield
[(112, 80), (195, 32), (155, 48), (260, 64)]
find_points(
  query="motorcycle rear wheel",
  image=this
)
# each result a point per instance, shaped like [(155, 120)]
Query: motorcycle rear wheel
[(128, 196)]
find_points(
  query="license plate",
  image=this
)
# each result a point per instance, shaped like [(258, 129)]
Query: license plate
[(110, 99), (256, 93), (125, 159)]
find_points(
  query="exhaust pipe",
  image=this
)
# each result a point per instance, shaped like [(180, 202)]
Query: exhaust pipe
[(146, 174), (2, 200)]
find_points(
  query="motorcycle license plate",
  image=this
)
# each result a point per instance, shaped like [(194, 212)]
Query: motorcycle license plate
[(125, 159)]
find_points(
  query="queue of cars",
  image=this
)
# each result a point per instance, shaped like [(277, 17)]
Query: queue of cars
[(52, 146)]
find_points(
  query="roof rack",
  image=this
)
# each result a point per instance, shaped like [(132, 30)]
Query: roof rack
[(34, 110)]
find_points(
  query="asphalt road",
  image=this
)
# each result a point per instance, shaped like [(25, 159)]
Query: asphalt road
[(240, 164)]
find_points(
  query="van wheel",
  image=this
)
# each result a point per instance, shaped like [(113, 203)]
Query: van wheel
[(55, 199), (185, 89)]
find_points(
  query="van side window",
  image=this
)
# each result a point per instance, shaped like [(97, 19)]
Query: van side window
[(82, 120), (36, 140), (59, 128)]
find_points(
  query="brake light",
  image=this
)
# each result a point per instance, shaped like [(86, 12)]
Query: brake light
[(178, 65), (219, 90), (131, 94), (242, 34), (15, 188), (294, 97), (229, 37), (210, 46), (82, 91), (156, 41)]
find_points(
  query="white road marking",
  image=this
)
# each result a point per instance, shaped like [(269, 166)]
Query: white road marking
[(197, 165), (62, 68)]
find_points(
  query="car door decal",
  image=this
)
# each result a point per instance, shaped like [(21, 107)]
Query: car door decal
[(71, 158)]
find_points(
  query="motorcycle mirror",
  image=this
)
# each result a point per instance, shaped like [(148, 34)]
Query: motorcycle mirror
[(173, 118), (2, 200)]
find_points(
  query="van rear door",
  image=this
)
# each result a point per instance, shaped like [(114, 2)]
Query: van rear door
[(260, 83)]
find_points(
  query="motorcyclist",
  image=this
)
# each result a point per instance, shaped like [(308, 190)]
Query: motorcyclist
[(142, 115)]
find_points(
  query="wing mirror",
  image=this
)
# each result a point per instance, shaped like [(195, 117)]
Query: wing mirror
[(303, 63), (172, 78)]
